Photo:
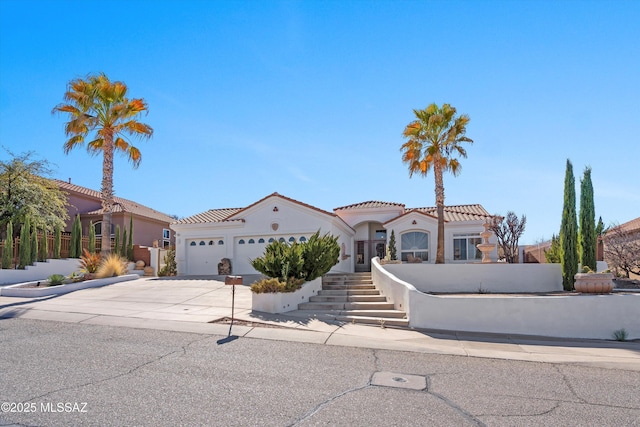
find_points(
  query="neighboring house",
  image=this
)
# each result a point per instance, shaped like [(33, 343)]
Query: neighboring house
[(149, 225), (622, 248), (363, 230)]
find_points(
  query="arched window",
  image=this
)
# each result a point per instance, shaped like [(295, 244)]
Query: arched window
[(210, 242), (192, 244), (281, 239), (202, 243), (271, 240), (303, 239), (261, 240), (221, 242), (241, 242), (414, 244), (251, 241), (292, 239)]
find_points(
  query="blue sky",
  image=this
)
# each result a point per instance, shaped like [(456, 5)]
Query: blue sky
[(310, 98)]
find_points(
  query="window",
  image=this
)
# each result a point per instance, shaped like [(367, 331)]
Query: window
[(303, 239), (465, 247), (241, 242), (251, 241), (221, 242), (192, 244), (166, 234), (201, 242), (261, 240), (98, 227), (292, 239), (414, 244), (381, 234), (210, 242), (271, 240), (281, 240)]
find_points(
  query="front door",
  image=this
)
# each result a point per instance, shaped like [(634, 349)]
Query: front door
[(367, 249)]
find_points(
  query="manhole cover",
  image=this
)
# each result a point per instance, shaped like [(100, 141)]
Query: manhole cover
[(394, 379)]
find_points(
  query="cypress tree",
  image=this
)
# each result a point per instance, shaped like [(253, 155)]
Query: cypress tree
[(129, 254), (75, 249), (393, 255), (34, 244), (43, 250), (588, 236), (25, 245), (116, 247), (92, 238), (57, 242), (123, 249), (7, 253), (569, 230)]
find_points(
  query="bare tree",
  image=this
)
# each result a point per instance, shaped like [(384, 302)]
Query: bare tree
[(508, 231), (622, 251)]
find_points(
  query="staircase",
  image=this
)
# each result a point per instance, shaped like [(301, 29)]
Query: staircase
[(354, 298)]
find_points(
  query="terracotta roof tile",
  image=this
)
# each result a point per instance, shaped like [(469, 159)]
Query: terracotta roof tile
[(122, 205), (212, 215), (370, 204), (458, 212)]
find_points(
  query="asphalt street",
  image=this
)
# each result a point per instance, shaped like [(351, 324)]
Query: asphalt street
[(68, 374)]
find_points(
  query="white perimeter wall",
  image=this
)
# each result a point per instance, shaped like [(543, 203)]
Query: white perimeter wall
[(495, 277), (571, 316), (40, 271)]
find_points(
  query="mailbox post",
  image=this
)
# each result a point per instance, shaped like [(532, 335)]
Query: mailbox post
[(233, 281)]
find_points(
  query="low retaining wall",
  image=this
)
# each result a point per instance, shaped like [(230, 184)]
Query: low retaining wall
[(564, 316), (16, 291), (475, 278), (40, 271), (285, 301)]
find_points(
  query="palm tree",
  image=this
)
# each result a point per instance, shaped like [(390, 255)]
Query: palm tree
[(433, 142), (100, 108)]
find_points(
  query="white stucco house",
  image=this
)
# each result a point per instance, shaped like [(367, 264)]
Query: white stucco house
[(241, 234)]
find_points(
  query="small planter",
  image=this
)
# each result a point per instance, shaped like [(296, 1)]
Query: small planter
[(594, 283), (281, 302)]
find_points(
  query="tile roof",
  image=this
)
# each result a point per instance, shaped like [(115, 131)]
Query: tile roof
[(288, 199), (212, 215), (121, 205), (370, 204), (457, 212), (629, 226)]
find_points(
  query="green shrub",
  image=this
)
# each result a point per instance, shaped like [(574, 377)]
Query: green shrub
[(300, 261), (7, 252), (620, 335), (56, 279), (170, 268)]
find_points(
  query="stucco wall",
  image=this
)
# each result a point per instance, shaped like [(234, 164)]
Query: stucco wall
[(494, 277), (566, 316), (40, 271), (573, 316)]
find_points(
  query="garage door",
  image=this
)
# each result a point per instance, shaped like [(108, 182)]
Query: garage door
[(203, 256)]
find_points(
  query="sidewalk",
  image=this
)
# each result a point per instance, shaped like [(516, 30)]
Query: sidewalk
[(192, 304)]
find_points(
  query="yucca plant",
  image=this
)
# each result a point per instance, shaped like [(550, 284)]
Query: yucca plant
[(111, 266)]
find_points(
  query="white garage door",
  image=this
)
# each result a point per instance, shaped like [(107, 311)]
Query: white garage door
[(203, 256)]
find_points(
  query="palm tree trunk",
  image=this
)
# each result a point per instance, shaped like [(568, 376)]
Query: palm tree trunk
[(437, 171), (107, 193)]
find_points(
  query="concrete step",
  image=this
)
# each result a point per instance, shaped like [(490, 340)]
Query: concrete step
[(348, 298), (382, 321), (338, 305), (345, 292), (347, 287), (396, 314)]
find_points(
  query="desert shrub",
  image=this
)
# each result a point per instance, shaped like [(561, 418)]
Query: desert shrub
[(111, 266), (274, 285), (170, 268), (56, 279), (89, 261)]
